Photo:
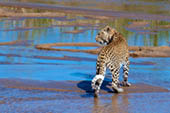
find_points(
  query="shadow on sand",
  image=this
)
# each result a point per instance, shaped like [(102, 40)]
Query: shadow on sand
[(86, 86)]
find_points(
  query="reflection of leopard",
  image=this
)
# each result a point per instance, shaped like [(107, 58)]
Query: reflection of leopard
[(113, 55)]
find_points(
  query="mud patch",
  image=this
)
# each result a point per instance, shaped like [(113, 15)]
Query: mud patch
[(143, 63), (74, 86), (52, 45), (135, 51), (2, 102), (75, 31), (138, 24), (162, 51), (97, 12), (18, 42)]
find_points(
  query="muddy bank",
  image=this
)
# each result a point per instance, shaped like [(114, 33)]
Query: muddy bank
[(74, 10), (144, 27), (20, 12), (46, 14), (135, 51), (52, 45), (74, 86), (18, 42), (163, 51), (75, 31), (19, 95), (141, 27)]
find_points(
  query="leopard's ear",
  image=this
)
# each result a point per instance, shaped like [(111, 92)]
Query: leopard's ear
[(108, 28), (114, 35)]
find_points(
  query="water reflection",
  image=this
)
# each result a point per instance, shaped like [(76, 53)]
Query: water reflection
[(50, 30), (120, 103), (96, 107), (112, 104)]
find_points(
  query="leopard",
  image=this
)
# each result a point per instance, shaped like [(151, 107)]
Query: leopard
[(113, 55)]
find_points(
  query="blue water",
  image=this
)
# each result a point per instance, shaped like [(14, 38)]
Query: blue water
[(26, 62), (44, 30), (24, 65)]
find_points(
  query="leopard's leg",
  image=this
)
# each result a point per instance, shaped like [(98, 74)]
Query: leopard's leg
[(125, 74), (115, 78), (98, 79)]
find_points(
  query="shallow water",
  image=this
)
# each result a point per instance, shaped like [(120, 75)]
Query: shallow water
[(49, 65), (52, 65), (23, 61)]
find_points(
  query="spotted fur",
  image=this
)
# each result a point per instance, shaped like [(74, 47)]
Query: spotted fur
[(113, 55)]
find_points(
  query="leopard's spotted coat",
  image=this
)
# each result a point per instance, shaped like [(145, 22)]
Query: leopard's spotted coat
[(113, 55)]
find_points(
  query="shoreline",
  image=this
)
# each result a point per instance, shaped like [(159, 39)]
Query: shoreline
[(135, 51), (74, 86), (103, 14), (20, 95)]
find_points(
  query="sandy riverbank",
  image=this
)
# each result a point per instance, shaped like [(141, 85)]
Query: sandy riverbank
[(135, 51), (77, 95)]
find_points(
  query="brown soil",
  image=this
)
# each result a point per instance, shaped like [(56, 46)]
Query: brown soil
[(18, 42), (138, 24), (50, 47), (75, 86), (75, 31), (162, 51), (71, 10), (7, 13)]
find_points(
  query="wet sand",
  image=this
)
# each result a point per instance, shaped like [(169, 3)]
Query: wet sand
[(75, 31), (162, 51), (75, 86), (78, 96)]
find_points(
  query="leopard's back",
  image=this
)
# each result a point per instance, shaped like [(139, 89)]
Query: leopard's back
[(115, 52)]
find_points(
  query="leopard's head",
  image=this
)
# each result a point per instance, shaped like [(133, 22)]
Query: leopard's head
[(106, 35)]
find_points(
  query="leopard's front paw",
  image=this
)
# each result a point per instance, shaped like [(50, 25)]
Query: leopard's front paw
[(125, 84)]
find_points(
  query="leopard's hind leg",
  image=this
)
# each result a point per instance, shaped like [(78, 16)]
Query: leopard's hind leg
[(125, 74), (98, 79), (115, 78)]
